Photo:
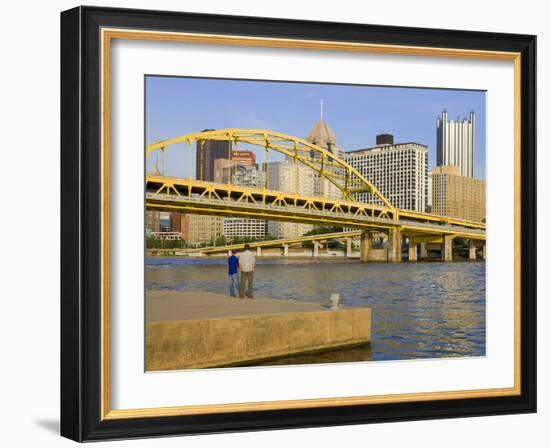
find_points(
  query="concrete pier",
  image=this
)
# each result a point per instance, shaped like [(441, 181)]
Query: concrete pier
[(201, 330), (316, 247), (349, 247), (447, 248), (423, 251), (472, 250), (413, 252), (394, 246), (285, 250), (365, 246)]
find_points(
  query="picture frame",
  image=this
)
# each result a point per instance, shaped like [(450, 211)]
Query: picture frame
[(86, 36)]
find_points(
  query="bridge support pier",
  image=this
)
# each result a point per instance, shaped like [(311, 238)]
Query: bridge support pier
[(349, 247), (423, 251), (472, 250), (365, 246), (316, 246), (258, 251), (394, 246), (484, 251), (413, 252), (447, 248), (285, 250)]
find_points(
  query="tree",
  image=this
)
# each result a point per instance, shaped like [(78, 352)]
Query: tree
[(323, 230)]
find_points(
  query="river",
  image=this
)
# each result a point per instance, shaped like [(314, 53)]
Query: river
[(419, 310)]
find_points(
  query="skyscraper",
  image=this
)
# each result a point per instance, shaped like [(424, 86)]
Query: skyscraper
[(457, 196), (202, 229), (248, 176), (207, 152), (244, 158), (456, 143), (152, 221), (321, 135), (399, 171), (289, 177)]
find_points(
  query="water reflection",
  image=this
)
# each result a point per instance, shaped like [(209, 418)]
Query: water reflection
[(420, 310)]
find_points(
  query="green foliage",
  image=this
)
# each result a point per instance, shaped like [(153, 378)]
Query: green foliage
[(244, 240), (219, 241), (323, 230), (157, 243)]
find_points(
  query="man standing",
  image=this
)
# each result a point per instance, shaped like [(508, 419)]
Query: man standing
[(247, 264), (233, 265)]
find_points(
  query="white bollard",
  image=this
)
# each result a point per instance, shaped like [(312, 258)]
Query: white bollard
[(334, 300)]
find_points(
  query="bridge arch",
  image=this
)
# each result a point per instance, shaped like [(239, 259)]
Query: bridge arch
[(328, 165)]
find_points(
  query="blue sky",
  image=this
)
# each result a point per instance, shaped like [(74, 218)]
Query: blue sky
[(356, 114)]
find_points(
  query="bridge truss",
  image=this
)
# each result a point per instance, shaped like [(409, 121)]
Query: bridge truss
[(200, 197)]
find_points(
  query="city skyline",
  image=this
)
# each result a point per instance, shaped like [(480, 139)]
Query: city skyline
[(356, 114)]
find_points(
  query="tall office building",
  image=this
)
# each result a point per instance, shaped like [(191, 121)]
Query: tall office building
[(220, 167), (179, 223), (244, 158), (229, 167), (248, 176), (207, 152), (203, 229), (244, 228), (213, 160), (398, 170), (152, 221), (457, 196), (165, 222), (321, 135), (429, 201), (456, 143), (289, 177)]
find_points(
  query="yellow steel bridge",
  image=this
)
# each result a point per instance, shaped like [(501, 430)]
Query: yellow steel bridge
[(224, 199)]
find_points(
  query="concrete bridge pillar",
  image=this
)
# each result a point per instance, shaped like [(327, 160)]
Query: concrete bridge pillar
[(423, 251), (316, 246), (258, 251), (471, 250), (349, 247), (413, 251), (447, 248), (365, 246), (484, 251), (285, 250), (394, 246)]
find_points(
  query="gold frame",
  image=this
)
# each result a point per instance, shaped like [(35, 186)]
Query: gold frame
[(107, 35)]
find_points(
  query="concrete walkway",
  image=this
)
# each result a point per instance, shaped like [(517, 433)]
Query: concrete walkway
[(169, 306), (187, 330)]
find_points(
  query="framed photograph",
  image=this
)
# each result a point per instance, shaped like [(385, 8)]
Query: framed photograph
[(274, 223)]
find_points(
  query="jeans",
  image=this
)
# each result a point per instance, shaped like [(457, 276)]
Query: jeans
[(233, 284)]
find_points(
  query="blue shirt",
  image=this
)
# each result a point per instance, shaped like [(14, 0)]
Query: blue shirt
[(233, 263)]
